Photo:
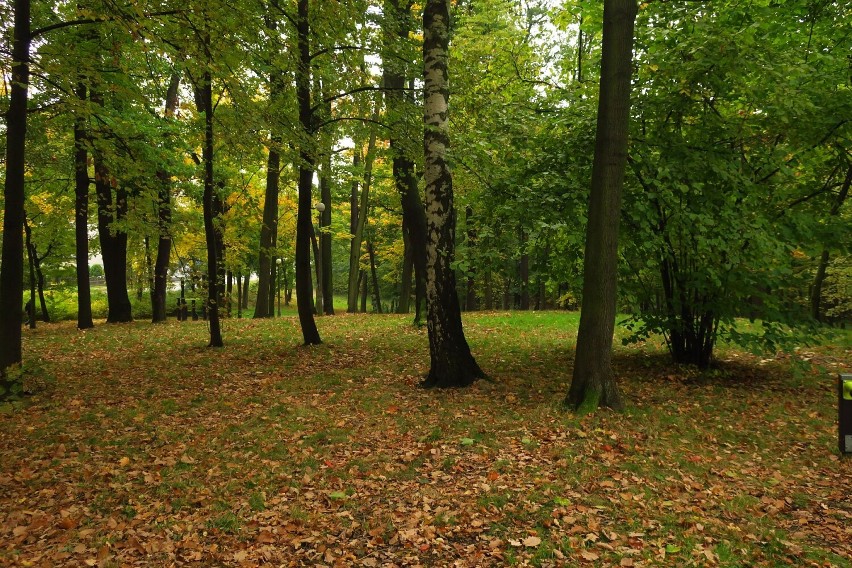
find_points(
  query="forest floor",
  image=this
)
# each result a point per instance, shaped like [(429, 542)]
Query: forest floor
[(148, 449)]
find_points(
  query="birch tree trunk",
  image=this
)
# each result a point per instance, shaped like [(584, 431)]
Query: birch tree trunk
[(452, 364)]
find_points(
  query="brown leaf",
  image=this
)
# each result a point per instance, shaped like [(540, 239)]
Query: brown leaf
[(532, 541)]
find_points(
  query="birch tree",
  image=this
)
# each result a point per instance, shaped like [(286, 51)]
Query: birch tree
[(452, 364)]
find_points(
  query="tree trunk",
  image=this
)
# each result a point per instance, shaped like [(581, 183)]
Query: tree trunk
[(204, 103), (822, 267), (318, 309), (325, 238), (362, 286), (45, 316), (239, 295), (451, 363), (358, 234), (246, 281), (398, 25), (593, 383), (12, 259), (31, 309), (404, 305), (229, 288), (470, 300), (377, 296), (304, 294), (164, 219), (268, 231), (113, 241), (81, 216), (524, 278)]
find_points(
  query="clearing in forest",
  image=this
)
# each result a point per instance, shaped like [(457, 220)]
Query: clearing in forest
[(148, 449)]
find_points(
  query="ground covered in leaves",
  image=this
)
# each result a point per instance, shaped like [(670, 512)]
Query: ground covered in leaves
[(148, 449)]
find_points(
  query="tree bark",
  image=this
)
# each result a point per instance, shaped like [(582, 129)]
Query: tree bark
[(164, 219), (268, 231), (398, 25), (318, 309), (593, 383), (304, 294), (246, 282), (377, 296), (45, 316), (12, 259), (451, 363), (404, 305), (358, 234), (113, 240), (31, 309), (822, 267), (211, 207), (81, 216), (325, 238), (362, 286)]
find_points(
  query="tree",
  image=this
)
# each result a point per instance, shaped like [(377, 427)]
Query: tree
[(81, 212), (12, 260), (730, 172), (593, 383), (164, 218), (269, 229), (451, 362), (310, 334), (360, 224), (397, 27)]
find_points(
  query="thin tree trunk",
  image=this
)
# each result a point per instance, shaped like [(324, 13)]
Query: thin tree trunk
[(822, 267), (593, 383), (470, 303), (31, 309), (113, 241), (81, 216), (204, 103), (45, 316), (229, 288), (264, 307), (358, 234), (524, 277), (451, 363), (318, 270), (12, 259), (164, 219), (398, 25), (246, 281), (325, 238), (239, 295), (304, 294), (404, 305), (362, 286), (377, 296)]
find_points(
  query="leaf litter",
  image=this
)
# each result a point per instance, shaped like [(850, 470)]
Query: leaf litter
[(147, 450)]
